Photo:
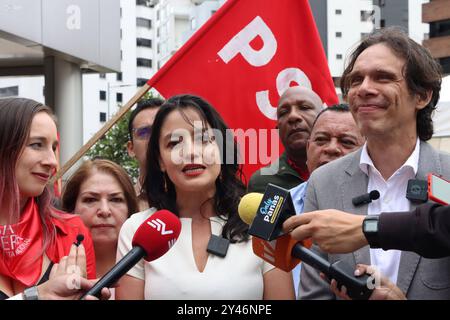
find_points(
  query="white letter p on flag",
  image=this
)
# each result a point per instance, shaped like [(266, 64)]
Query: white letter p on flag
[(241, 44)]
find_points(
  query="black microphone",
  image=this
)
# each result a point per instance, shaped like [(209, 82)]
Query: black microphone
[(366, 198), (154, 237), (274, 208), (266, 220), (80, 238)]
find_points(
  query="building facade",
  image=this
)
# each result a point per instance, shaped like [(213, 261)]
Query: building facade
[(153, 30)]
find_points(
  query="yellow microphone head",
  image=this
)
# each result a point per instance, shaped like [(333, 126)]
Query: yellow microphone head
[(248, 206)]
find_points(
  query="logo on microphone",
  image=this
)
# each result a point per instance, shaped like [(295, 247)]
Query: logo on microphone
[(271, 208), (159, 226), (171, 243)]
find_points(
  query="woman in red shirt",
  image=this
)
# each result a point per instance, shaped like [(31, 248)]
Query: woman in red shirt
[(33, 234)]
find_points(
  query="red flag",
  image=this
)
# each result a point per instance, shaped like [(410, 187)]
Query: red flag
[(242, 59)]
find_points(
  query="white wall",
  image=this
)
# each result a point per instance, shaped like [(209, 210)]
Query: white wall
[(350, 25), (29, 87), (416, 28)]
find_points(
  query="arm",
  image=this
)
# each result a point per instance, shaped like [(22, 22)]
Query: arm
[(332, 230), (384, 288), (426, 230), (130, 288), (67, 279), (278, 285)]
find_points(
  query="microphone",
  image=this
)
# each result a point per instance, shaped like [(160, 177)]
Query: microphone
[(154, 237), (271, 211), (285, 252), (80, 238), (366, 198)]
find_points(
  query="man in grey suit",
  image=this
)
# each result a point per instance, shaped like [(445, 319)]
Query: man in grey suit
[(392, 85)]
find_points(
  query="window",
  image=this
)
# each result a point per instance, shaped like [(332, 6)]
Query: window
[(140, 82), (440, 28), (9, 92), (102, 95), (119, 76), (102, 75), (338, 11), (102, 116), (147, 3), (141, 42), (142, 22), (141, 62), (338, 34), (119, 97), (366, 15), (382, 23), (339, 56)]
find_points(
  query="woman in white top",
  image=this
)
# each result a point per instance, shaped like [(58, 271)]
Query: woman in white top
[(192, 170)]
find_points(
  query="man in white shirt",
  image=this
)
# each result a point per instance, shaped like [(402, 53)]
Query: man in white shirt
[(392, 85)]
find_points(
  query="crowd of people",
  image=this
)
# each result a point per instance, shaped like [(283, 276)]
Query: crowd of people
[(377, 141)]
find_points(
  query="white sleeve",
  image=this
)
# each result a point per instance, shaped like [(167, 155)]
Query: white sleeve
[(16, 297), (124, 246)]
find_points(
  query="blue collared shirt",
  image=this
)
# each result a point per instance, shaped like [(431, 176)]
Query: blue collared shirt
[(298, 195)]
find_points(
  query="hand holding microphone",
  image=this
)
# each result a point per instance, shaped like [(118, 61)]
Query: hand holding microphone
[(154, 237), (266, 213)]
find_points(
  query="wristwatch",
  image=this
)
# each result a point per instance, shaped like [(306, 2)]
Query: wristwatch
[(370, 230), (31, 293)]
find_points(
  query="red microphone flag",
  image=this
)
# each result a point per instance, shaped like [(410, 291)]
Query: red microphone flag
[(242, 59)]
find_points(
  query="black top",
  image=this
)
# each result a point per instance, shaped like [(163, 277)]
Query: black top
[(425, 230), (44, 278)]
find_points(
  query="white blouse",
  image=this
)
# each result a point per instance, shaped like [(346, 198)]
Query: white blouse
[(239, 275)]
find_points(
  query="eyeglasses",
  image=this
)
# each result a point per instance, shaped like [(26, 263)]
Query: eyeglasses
[(142, 133)]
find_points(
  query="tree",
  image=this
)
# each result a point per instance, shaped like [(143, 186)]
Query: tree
[(113, 145)]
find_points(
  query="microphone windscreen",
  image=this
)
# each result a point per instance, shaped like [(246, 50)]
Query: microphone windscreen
[(374, 195), (157, 234), (248, 206)]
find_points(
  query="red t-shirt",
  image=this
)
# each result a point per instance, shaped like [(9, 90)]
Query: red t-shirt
[(68, 227)]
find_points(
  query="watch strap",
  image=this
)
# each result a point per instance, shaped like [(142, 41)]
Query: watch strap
[(31, 293)]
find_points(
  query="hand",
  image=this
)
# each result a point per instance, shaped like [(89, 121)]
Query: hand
[(333, 231), (67, 280), (384, 288)]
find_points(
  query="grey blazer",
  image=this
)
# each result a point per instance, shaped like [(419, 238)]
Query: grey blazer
[(332, 187)]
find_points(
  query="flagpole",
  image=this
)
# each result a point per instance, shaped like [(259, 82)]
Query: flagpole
[(122, 111)]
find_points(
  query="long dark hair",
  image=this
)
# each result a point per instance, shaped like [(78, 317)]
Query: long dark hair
[(229, 187), (16, 116)]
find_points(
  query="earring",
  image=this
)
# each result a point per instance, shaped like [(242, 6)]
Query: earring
[(165, 182)]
